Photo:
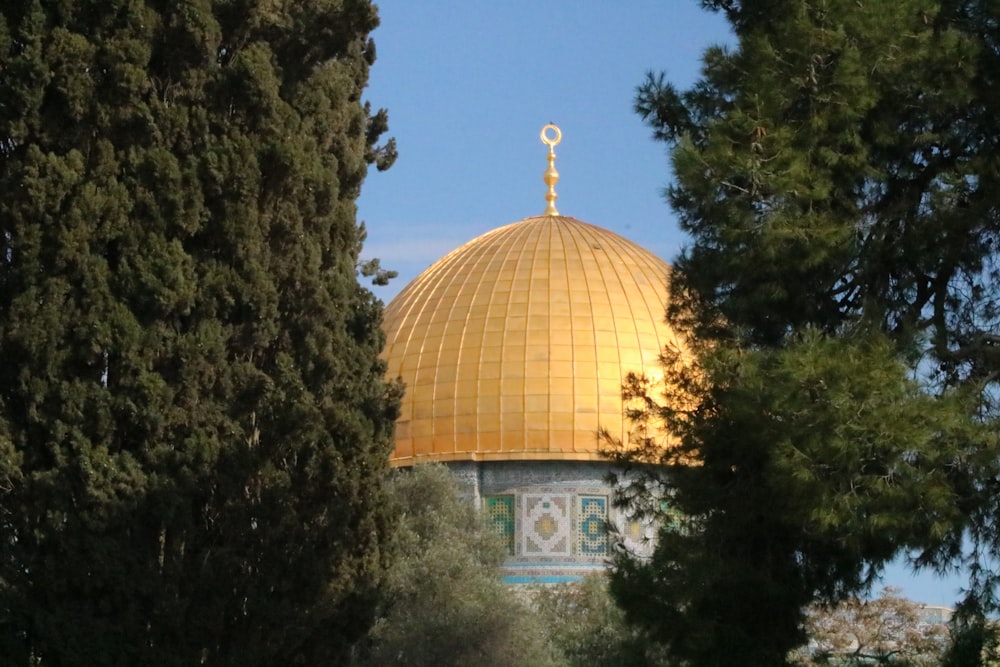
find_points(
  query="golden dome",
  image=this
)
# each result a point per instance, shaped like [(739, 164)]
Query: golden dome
[(515, 345)]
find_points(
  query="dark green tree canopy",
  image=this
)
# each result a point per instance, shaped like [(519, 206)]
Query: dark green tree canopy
[(193, 420), (861, 140), (836, 171)]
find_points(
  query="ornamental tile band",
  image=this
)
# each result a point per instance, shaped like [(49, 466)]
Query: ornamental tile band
[(591, 527), (546, 525), (500, 510)]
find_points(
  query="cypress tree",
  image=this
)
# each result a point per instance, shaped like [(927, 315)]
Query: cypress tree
[(837, 174), (194, 425)]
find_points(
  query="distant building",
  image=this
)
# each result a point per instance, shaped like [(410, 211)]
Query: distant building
[(513, 349), (931, 613)]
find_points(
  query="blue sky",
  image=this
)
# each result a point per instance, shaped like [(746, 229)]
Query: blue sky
[(468, 87)]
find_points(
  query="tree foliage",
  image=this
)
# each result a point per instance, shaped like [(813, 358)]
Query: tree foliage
[(793, 473), (836, 172), (582, 621), (193, 420), (840, 162), (885, 630), (444, 603), (974, 641)]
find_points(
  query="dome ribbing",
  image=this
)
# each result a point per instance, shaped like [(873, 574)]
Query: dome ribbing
[(514, 346)]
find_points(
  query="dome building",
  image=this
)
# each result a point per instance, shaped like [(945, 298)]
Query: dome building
[(513, 349)]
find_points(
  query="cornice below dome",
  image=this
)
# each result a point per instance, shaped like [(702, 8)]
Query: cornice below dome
[(515, 345)]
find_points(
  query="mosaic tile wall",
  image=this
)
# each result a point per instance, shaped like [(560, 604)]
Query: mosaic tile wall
[(501, 512), (553, 516), (547, 527), (552, 524), (591, 526)]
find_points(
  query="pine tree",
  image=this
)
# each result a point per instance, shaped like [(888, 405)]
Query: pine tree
[(836, 172), (194, 425)]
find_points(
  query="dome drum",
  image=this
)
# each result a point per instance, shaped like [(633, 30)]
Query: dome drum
[(552, 515)]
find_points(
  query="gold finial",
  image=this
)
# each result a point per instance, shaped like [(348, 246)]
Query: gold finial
[(551, 176)]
